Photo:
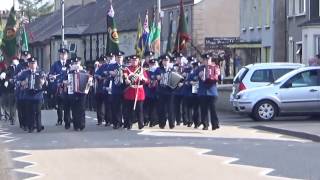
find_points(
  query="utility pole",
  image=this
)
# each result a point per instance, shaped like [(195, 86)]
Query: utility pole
[(62, 25)]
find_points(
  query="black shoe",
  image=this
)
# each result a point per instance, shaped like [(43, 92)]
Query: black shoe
[(215, 128), (67, 126), (25, 128), (161, 127), (76, 129), (141, 127), (205, 128), (30, 130), (178, 123), (99, 124), (108, 124), (59, 123), (146, 123), (171, 127), (116, 127), (189, 124), (82, 128), (39, 130)]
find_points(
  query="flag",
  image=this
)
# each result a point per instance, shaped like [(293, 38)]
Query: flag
[(156, 35), (139, 42), (1, 30), (169, 48), (9, 41), (182, 31), (113, 36), (146, 33), (24, 40)]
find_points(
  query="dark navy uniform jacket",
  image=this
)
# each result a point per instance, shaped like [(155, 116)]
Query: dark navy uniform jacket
[(103, 83), (22, 66), (31, 94), (61, 71), (117, 89), (204, 90), (151, 92), (163, 89)]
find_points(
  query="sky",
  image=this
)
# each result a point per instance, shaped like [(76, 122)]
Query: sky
[(7, 4)]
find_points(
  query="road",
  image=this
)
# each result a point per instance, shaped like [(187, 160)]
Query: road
[(236, 151)]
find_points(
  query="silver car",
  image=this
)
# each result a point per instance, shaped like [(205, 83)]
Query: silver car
[(296, 93)]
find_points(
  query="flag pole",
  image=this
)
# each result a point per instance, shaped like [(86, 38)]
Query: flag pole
[(158, 20), (62, 25)]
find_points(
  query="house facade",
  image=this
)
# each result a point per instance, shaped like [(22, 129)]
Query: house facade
[(262, 31)]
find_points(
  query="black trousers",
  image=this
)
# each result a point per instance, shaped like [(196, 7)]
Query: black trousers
[(165, 110), (192, 110), (177, 105), (67, 103), (107, 109), (60, 107), (33, 108), (22, 112), (78, 109), (208, 104), (150, 111), (131, 114), (100, 100), (117, 114)]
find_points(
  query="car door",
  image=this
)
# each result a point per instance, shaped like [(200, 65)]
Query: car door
[(301, 93)]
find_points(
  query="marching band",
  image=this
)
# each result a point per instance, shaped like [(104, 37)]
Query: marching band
[(149, 91)]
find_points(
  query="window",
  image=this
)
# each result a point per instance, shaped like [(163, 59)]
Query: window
[(261, 76), (317, 42), (291, 7), (305, 79), (268, 13), (300, 7), (277, 73)]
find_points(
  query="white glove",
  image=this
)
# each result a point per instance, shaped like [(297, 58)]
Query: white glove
[(3, 75), (6, 84)]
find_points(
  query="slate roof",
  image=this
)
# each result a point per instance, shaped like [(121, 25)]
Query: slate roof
[(91, 18)]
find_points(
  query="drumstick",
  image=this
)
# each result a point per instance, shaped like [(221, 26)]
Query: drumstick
[(137, 89)]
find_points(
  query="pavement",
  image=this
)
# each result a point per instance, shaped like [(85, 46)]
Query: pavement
[(183, 153)]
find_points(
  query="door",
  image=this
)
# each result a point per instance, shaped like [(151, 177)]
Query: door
[(301, 93)]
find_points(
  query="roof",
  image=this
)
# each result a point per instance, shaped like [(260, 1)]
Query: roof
[(91, 18), (273, 65)]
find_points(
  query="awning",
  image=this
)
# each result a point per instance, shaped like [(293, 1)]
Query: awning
[(245, 45)]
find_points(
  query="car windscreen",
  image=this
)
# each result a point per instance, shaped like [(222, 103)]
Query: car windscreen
[(240, 75)]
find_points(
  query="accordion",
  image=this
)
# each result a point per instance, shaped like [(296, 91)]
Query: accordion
[(174, 79), (35, 81), (211, 74), (79, 82)]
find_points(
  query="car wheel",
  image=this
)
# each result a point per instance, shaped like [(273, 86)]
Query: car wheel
[(265, 111)]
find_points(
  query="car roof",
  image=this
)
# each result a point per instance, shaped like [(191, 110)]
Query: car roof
[(274, 65)]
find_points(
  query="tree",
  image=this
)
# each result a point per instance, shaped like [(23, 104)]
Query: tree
[(35, 8)]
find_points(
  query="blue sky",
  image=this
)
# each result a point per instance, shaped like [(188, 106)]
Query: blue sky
[(7, 4)]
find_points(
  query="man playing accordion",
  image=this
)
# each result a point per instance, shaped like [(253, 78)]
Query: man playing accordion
[(32, 82)]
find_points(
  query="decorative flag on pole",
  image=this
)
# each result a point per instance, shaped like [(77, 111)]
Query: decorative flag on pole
[(139, 42), (146, 33), (24, 40), (170, 35), (113, 36), (156, 35), (9, 41), (182, 32)]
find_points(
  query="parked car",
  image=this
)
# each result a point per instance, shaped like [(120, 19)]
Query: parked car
[(296, 93), (257, 75)]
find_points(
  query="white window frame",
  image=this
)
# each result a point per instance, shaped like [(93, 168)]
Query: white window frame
[(317, 44), (291, 8), (297, 7)]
